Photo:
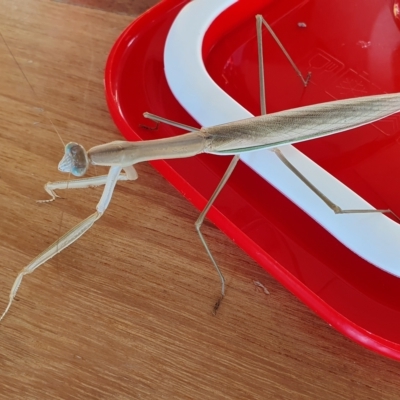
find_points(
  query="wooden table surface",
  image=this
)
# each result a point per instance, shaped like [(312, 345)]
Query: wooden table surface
[(126, 312)]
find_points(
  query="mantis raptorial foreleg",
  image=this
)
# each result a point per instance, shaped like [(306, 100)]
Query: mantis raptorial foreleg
[(84, 183), (76, 232)]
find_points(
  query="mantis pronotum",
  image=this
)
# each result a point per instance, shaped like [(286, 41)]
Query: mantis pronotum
[(266, 131)]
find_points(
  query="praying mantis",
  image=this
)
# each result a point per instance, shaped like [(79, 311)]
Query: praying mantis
[(265, 131)]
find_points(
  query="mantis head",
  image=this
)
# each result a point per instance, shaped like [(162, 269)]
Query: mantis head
[(75, 160)]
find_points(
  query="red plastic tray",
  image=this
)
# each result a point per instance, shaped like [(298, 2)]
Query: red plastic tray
[(350, 53)]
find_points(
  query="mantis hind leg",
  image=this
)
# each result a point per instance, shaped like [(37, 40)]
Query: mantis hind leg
[(333, 206), (260, 21)]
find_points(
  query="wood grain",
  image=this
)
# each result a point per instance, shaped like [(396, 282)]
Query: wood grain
[(125, 313), (130, 7)]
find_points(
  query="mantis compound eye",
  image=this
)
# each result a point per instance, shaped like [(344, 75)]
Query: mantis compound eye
[(75, 160)]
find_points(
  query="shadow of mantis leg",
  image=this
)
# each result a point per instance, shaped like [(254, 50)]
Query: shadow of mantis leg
[(71, 236)]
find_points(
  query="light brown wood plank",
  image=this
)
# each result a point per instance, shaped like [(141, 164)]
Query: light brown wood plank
[(129, 7), (125, 312)]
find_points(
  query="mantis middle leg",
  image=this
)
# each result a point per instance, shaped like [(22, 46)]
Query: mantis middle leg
[(199, 222)]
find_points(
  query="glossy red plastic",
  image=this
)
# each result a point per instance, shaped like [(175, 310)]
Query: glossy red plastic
[(352, 49)]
